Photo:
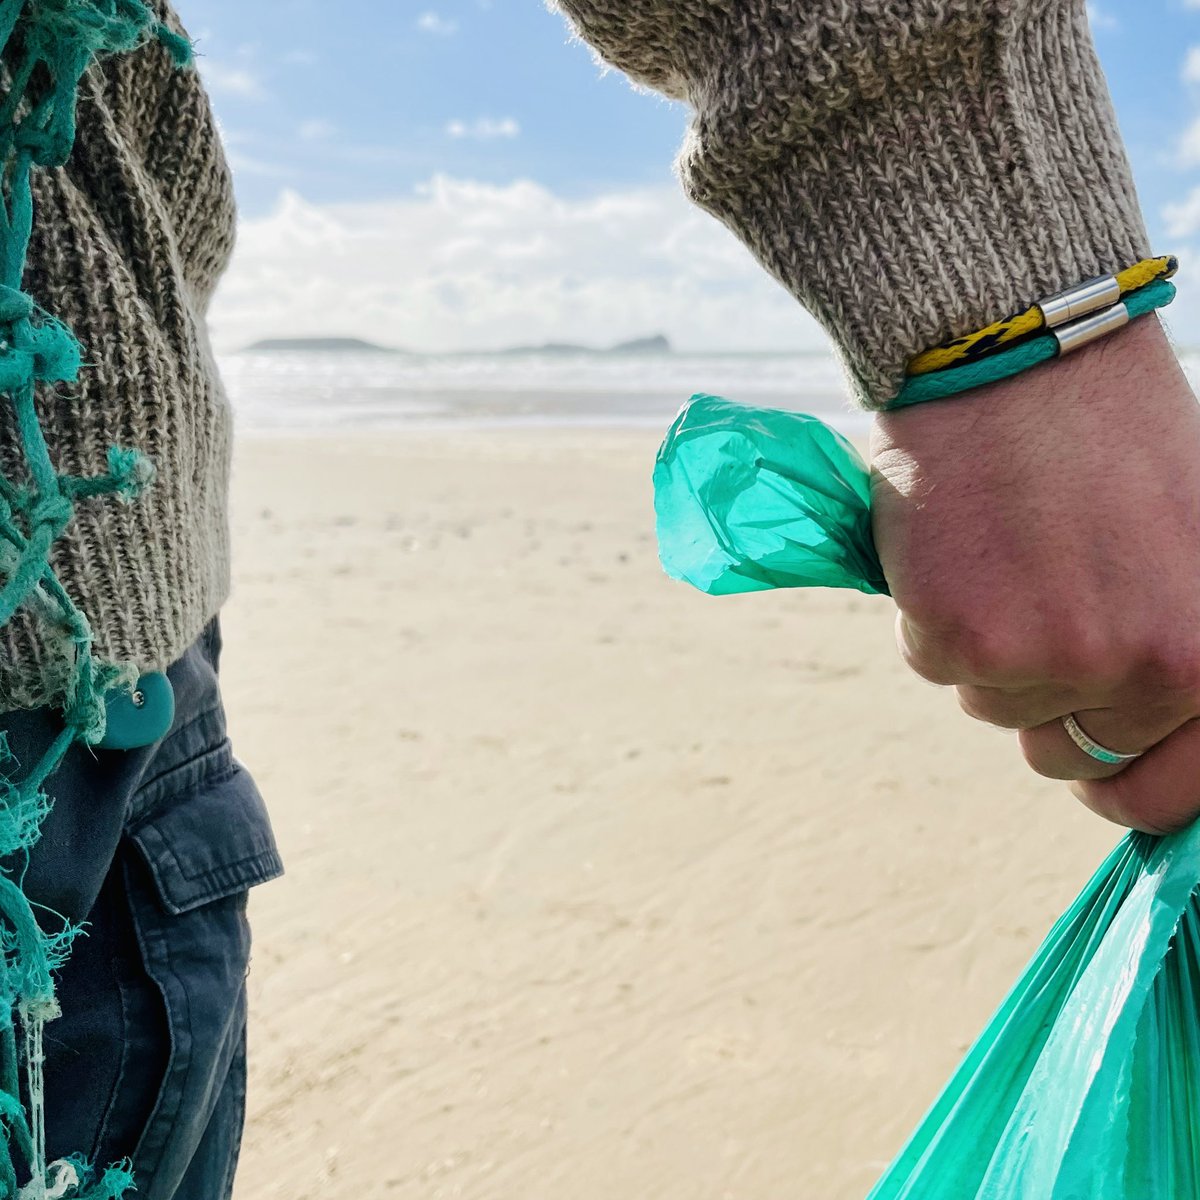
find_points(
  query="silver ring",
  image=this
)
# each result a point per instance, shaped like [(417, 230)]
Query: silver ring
[(1091, 747)]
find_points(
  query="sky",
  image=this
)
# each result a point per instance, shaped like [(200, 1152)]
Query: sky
[(460, 174)]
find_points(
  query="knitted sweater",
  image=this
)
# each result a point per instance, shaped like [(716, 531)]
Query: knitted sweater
[(129, 241), (910, 170)]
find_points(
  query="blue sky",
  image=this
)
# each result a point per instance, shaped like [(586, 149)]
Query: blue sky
[(388, 79), (459, 173)]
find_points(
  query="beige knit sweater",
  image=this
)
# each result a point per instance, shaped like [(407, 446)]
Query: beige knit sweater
[(910, 169)]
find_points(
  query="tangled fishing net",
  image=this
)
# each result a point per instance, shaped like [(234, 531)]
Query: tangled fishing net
[(47, 45)]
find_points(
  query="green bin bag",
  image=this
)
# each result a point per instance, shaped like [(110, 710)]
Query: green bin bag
[(1085, 1085)]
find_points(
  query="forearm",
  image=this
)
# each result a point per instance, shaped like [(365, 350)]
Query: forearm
[(910, 171)]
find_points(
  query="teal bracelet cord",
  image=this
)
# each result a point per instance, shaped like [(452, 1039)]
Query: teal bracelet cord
[(953, 381)]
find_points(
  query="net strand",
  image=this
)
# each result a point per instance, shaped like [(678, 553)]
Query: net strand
[(46, 46)]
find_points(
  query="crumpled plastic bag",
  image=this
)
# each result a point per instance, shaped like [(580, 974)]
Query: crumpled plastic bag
[(1085, 1085), (754, 498)]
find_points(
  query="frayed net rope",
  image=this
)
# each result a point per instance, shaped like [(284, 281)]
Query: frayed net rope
[(46, 46)]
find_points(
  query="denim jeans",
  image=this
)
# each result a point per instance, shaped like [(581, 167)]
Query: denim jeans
[(154, 849)]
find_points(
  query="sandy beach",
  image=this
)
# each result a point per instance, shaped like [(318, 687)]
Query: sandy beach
[(599, 889)]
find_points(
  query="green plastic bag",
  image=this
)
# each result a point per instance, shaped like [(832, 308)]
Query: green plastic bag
[(1085, 1085), (753, 498)]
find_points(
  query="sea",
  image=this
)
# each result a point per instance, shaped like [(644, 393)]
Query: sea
[(307, 391), (314, 392)]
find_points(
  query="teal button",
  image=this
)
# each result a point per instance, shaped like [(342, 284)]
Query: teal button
[(140, 717)]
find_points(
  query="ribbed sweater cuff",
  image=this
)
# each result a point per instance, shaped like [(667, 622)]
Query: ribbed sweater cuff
[(927, 193)]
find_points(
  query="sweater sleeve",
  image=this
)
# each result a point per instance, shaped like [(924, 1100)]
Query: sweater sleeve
[(910, 170)]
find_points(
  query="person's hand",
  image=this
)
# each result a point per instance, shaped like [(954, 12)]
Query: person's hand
[(1042, 541)]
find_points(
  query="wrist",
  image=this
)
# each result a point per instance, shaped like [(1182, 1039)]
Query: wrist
[(1123, 381)]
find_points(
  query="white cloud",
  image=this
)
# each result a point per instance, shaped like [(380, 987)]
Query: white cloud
[(1191, 65), (484, 128), (232, 81), (1101, 18), (1183, 219), (459, 264), (300, 58), (434, 23), (1187, 149), (316, 130)]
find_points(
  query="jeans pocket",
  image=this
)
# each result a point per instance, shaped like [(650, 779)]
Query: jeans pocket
[(211, 840)]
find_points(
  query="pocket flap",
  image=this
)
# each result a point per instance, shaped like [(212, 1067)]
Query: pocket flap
[(212, 840)]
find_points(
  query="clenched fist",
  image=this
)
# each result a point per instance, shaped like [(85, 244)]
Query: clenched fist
[(1041, 538)]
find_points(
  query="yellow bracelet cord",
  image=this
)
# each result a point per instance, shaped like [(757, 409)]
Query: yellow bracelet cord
[(1003, 333)]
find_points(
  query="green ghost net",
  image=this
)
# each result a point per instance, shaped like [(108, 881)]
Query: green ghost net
[(46, 47), (1086, 1083)]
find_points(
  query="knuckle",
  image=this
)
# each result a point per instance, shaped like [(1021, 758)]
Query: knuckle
[(1171, 669), (992, 651), (923, 600), (988, 707), (974, 705), (923, 651), (1080, 653), (929, 665), (936, 607)]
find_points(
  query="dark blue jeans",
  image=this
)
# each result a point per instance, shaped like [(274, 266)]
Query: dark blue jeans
[(155, 849)]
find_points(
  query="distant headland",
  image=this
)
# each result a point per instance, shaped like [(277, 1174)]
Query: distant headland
[(655, 344)]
